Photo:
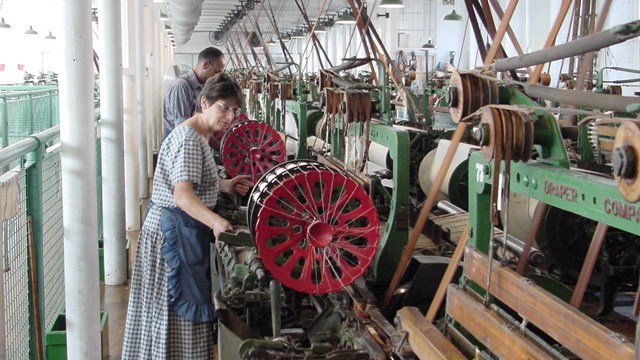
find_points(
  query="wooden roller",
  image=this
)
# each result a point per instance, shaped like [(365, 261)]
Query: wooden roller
[(626, 160)]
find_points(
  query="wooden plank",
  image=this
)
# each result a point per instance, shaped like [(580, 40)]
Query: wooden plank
[(448, 276), (501, 338), (589, 263), (577, 332), (497, 39), (427, 342)]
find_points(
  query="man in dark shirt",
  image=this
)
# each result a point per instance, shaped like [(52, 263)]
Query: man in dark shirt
[(180, 98)]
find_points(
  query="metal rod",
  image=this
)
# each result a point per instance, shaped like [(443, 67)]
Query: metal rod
[(615, 35), (141, 91), (449, 208), (31, 143), (274, 288), (581, 98)]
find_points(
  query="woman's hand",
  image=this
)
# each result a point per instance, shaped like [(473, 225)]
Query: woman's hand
[(240, 184), (220, 225)]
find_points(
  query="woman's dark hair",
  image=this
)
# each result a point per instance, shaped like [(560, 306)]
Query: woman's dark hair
[(221, 86)]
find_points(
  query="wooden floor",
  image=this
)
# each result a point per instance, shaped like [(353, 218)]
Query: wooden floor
[(113, 300)]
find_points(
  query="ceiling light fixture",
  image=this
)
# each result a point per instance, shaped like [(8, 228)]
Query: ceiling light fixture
[(50, 36), (391, 4), (31, 31), (319, 29), (453, 16), (346, 18), (163, 16), (4, 25), (428, 45)]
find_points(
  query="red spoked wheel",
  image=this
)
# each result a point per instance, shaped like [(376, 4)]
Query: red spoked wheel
[(316, 230), (251, 148), (216, 139)]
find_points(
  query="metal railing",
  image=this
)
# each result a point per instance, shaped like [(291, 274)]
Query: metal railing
[(30, 173), (26, 110)]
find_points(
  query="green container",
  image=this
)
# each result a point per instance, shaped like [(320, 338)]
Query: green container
[(101, 258), (56, 337)]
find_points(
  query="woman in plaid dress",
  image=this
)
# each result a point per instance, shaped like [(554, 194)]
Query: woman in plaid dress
[(170, 313)]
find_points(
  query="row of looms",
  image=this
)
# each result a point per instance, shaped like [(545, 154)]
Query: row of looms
[(489, 216)]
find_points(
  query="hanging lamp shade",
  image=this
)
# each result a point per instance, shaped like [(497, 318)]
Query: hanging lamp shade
[(391, 4), (50, 36), (4, 25), (346, 18), (454, 16), (319, 29), (31, 31), (164, 17), (428, 45)]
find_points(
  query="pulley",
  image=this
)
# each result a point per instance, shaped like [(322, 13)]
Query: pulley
[(468, 93), (614, 90), (315, 229), (626, 160), (503, 131), (251, 148), (544, 79)]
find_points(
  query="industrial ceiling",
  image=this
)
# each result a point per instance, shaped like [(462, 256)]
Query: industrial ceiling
[(202, 22)]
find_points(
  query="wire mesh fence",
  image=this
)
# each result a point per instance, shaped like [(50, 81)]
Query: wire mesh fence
[(25, 111), (14, 273), (38, 176)]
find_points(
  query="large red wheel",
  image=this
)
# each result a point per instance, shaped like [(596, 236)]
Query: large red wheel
[(316, 230), (251, 148)]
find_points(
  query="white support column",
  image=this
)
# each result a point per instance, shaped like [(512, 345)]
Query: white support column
[(115, 260), (78, 158), (148, 22), (141, 112), (132, 189)]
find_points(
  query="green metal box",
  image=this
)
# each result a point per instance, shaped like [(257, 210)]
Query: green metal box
[(56, 337)]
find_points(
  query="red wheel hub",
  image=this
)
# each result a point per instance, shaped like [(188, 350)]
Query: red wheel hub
[(251, 148), (316, 230)]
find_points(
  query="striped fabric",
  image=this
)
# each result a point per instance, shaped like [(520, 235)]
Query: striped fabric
[(180, 100)]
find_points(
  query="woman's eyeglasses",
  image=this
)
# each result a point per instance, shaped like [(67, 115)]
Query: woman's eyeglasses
[(228, 109)]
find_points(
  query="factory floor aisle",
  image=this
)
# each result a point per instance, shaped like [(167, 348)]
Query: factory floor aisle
[(114, 300)]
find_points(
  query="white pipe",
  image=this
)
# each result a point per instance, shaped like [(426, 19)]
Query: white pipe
[(156, 35), (132, 191), (113, 215), (141, 109), (78, 159), (132, 196), (149, 28)]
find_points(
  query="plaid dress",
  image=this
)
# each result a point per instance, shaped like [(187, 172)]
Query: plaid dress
[(153, 330)]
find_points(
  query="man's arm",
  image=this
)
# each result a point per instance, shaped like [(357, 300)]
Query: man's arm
[(178, 105)]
